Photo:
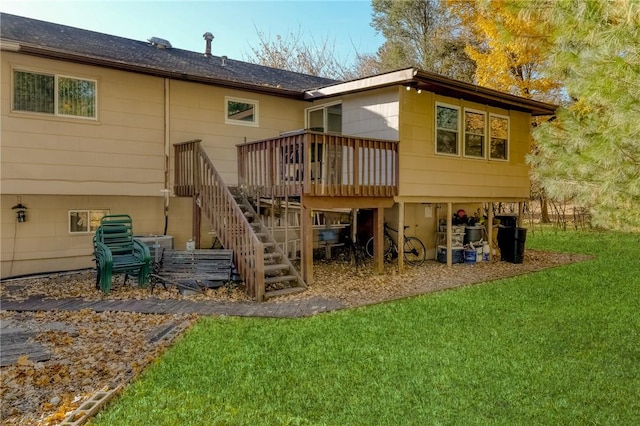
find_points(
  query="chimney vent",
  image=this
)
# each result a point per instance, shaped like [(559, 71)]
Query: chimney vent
[(224, 60), (160, 43), (209, 38)]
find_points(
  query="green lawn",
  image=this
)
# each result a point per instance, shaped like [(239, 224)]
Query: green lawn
[(560, 346)]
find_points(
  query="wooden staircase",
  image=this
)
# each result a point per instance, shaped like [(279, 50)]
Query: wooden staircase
[(280, 276), (265, 269)]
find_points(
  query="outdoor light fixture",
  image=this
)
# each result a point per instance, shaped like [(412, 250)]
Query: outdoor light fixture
[(21, 212)]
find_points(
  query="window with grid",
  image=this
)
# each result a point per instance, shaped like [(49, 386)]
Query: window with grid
[(54, 94)]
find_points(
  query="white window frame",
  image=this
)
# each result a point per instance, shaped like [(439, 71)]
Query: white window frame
[(508, 141), (457, 131), (256, 112), (464, 133), (325, 116), (83, 215), (56, 99)]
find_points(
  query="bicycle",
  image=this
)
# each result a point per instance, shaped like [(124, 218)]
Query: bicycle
[(413, 251)]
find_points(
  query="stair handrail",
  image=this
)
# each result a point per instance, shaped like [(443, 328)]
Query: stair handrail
[(218, 204)]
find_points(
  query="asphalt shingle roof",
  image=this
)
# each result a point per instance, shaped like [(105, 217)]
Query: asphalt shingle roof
[(142, 56)]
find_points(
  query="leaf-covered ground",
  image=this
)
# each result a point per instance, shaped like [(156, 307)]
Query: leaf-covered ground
[(92, 352)]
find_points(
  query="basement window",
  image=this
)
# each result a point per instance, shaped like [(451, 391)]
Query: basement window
[(242, 112), (85, 221), (54, 94)]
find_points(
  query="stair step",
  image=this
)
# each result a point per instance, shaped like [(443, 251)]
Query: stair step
[(272, 256), (279, 279), (283, 292), (275, 267)]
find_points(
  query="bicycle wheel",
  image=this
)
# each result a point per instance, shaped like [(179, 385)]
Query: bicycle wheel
[(386, 248), (414, 251)]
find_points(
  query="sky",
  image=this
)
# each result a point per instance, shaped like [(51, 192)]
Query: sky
[(343, 24)]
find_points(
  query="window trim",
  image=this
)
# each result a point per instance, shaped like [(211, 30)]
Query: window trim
[(508, 141), (256, 111), (436, 128), (56, 100), (325, 119), (484, 134), (88, 213)]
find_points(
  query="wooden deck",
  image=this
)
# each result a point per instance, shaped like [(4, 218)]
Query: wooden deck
[(319, 164)]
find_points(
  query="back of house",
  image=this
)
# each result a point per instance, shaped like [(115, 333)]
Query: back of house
[(91, 122)]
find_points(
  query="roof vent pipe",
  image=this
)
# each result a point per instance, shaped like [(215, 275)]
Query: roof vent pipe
[(224, 60), (209, 38)]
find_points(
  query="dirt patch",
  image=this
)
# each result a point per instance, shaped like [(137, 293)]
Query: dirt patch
[(91, 352), (360, 286)]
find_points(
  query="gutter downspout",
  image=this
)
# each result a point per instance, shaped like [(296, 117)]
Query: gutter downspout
[(167, 153)]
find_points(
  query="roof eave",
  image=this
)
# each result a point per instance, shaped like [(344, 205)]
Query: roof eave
[(536, 108), (13, 46), (434, 83)]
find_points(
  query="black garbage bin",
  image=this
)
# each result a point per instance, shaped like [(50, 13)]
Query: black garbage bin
[(511, 241), (508, 220)]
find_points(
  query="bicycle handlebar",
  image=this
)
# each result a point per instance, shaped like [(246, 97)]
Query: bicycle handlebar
[(395, 230)]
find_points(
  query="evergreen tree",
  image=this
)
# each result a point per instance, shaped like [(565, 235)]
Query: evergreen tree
[(590, 152)]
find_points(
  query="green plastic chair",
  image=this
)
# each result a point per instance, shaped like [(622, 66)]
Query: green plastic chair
[(116, 251)]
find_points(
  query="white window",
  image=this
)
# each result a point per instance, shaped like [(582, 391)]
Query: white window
[(54, 94), (326, 119), (498, 137), (243, 112), (475, 127), (85, 221), (447, 129)]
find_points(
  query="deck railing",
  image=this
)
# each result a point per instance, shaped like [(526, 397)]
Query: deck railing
[(197, 177), (319, 164)]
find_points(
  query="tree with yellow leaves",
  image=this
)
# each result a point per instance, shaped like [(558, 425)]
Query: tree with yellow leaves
[(509, 50)]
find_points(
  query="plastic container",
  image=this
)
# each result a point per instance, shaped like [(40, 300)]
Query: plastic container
[(508, 220), (470, 256), (457, 255), (472, 234), (511, 242)]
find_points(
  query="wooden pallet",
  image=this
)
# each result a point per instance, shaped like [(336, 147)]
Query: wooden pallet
[(193, 270)]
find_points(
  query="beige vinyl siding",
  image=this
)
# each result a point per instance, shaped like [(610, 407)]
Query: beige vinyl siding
[(373, 114), (43, 243), (122, 152), (426, 174), (197, 112)]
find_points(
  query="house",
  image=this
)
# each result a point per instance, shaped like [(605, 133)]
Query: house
[(194, 145)]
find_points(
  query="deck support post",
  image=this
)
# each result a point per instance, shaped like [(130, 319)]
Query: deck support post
[(490, 230), (520, 213), (306, 239), (378, 240), (400, 236), (449, 235), (196, 221)]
